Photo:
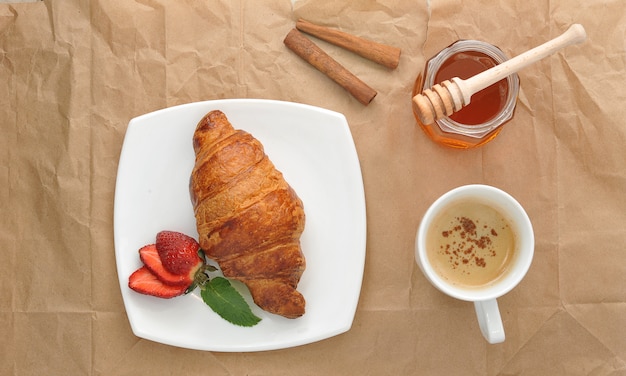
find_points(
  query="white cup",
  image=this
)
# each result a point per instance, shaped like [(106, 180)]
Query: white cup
[(484, 298)]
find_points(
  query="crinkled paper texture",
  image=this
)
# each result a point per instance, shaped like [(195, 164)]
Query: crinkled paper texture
[(75, 72)]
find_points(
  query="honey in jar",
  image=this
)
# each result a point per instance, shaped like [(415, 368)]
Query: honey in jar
[(482, 119)]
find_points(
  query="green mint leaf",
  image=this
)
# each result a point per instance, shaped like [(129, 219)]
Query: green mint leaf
[(222, 297)]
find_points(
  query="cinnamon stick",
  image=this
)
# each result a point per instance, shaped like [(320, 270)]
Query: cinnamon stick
[(311, 53), (385, 55)]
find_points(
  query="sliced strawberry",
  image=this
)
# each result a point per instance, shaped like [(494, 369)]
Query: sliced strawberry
[(178, 252), (150, 257), (144, 282)]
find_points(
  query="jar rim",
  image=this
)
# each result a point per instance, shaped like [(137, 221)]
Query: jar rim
[(474, 130)]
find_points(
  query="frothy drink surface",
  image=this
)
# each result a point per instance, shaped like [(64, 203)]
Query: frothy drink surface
[(470, 244)]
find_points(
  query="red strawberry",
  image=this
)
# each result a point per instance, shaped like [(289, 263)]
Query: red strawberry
[(150, 257), (178, 252), (147, 283)]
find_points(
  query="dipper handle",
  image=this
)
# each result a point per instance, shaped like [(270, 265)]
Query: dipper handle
[(451, 96)]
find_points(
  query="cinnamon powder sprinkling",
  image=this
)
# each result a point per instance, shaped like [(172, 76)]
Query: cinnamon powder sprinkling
[(472, 248)]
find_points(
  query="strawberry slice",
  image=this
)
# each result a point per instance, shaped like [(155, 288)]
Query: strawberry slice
[(150, 257), (178, 252), (144, 282)]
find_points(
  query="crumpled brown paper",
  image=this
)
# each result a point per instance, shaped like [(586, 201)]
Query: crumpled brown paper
[(74, 73)]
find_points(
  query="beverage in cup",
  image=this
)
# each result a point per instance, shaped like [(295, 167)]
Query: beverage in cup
[(476, 243)]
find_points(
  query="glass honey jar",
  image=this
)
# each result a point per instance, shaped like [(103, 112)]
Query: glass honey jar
[(483, 118)]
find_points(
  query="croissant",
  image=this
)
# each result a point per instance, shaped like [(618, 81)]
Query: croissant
[(248, 218)]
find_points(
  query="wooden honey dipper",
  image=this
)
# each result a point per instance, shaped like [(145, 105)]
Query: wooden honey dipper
[(451, 95)]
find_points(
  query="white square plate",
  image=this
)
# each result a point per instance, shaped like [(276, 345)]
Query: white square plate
[(314, 150)]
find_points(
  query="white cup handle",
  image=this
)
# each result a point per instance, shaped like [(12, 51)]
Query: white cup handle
[(489, 320)]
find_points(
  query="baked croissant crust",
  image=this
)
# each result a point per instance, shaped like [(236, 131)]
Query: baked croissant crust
[(249, 219)]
